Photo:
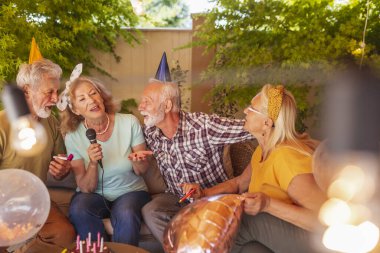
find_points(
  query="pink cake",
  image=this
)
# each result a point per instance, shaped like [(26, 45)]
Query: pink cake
[(86, 246), (97, 249)]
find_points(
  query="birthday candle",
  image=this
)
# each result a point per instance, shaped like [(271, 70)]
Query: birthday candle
[(78, 239), (80, 247), (88, 245), (101, 245), (98, 239), (94, 248), (89, 238)]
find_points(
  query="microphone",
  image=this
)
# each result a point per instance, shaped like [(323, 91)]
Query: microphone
[(91, 135)]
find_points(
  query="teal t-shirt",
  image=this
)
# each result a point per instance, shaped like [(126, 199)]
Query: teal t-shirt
[(119, 177)]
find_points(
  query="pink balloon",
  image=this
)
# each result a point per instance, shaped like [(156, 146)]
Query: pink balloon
[(24, 206)]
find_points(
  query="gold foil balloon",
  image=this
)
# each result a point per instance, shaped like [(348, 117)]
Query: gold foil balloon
[(24, 206), (207, 225)]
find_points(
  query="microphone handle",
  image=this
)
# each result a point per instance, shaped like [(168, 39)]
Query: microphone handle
[(99, 161)]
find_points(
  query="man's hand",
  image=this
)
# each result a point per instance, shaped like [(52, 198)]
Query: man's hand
[(186, 187), (255, 203), (139, 156), (59, 168)]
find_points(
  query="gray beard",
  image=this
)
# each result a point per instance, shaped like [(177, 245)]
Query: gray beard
[(41, 112), (154, 120)]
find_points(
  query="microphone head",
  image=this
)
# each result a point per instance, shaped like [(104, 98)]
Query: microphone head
[(91, 134)]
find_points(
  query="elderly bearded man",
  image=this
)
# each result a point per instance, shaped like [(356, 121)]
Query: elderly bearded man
[(40, 82), (188, 147)]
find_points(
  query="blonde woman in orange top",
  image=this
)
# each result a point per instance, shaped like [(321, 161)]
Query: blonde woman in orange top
[(282, 198)]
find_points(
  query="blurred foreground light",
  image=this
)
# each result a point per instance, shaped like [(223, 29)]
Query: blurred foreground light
[(351, 239), (28, 137), (348, 184), (352, 119), (335, 211)]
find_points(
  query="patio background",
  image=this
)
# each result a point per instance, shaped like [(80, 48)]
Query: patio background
[(139, 63)]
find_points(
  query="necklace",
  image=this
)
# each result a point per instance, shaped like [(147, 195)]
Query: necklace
[(105, 130)]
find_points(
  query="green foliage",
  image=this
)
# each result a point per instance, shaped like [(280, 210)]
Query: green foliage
[(296, 43), (179, 76), (164, 13), (65, 31), (127, 105)]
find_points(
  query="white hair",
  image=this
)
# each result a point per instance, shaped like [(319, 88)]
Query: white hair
[(170, 90), (33, 74)]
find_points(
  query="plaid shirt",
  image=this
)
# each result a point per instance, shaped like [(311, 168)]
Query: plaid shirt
[(195, 153)]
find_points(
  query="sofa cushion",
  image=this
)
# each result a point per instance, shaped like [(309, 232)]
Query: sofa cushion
[(68, 182), (153, 178), (241, 154), (227, 164), (62, 197)]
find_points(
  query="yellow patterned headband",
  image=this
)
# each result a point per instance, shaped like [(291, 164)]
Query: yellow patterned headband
[(275, 95)]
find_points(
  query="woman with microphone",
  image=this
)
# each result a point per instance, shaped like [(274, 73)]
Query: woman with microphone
[(108, 176)]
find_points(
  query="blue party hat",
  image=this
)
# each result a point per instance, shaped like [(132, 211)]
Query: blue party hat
[(163, 73)]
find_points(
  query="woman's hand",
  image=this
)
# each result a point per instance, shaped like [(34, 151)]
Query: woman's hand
[(140, 155), (186, 187), (95, 153), (255, 203)]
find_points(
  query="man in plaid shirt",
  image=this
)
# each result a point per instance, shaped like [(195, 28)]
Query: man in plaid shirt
[(188, 148)]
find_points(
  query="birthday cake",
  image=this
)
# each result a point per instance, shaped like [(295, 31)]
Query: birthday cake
[(86, 246), (93, 248)]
